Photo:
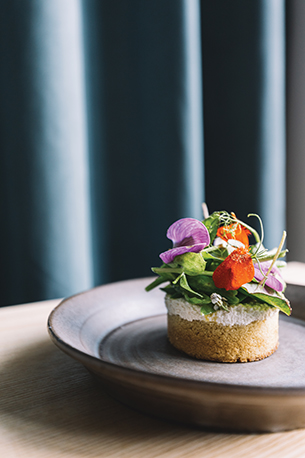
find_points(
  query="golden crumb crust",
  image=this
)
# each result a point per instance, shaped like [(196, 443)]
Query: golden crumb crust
[(215, 342)]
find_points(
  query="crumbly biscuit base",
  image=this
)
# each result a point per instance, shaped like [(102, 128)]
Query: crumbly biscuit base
[(216, 342)]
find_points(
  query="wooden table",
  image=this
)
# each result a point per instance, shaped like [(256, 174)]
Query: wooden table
[(51, 407)]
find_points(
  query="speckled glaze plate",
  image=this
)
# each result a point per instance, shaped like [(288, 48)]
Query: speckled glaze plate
[(118, 332)]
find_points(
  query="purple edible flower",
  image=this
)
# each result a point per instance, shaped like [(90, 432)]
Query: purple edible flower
[(274, 279), (188, 235)]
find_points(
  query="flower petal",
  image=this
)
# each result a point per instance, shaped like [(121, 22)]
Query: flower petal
[(168, 256), (274, 279), (187, 232), (188, 235), (234, 271), (234, 231)]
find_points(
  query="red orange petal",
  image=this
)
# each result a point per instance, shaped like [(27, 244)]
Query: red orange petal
[(236, 270)]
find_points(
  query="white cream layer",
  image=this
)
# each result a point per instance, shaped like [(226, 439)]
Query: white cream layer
[(241, 314)]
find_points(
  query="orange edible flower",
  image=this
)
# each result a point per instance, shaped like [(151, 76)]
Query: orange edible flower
[(236, 270), (234, 231)]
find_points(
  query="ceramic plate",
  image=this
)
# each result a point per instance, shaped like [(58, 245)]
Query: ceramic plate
[(118, 332)]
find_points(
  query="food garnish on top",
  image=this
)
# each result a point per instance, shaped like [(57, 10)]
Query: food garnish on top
[(213, 265)]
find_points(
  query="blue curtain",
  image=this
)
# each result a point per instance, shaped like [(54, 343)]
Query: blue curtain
[(102, 132), (295, 49), (244, 109)]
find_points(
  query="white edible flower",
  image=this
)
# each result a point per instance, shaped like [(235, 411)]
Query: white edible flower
[(216, 299)]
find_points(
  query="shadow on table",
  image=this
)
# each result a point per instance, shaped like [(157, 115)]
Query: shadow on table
[(43, 389)]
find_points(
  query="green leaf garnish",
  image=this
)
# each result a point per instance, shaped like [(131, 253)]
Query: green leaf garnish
[(212, 223), (184, 284), (206, 285), (191, 263), (164, 277), (268, 295)]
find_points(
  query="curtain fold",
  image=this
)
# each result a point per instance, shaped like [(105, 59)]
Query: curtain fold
[(45, 226), (145, 128), (244, 109), (295, 129)]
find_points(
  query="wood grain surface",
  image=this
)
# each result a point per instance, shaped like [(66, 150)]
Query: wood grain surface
[(51, 407)]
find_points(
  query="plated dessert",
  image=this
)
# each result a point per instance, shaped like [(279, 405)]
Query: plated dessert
[(223, 294)]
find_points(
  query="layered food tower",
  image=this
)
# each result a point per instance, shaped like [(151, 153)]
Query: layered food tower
[(223, 294)]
